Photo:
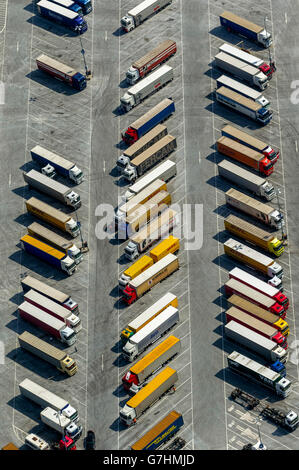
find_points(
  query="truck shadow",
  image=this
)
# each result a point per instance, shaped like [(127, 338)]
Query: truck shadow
[(120, 304), (122, 260), (51, 27), (115, 292), (120, 392), (119, 32), (117, 348), (215, 157), (220, 183), (121, 145), (221, 33), (121, 182), (51, 83), (114, 172), (225, 262), (38, 266), (124, 84), (120, 362), (118, 111)]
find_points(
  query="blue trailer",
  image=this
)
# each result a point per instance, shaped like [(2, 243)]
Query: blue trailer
[(86, 5), (160, 433), (50, 162), (246, 28), (148, 121), (62, 15)]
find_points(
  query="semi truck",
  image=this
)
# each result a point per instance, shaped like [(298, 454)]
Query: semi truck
[(134, 270), (52, 163), (69, 4), (260, 211), (61, 298), (56, 241), (47, 323), (236, 24), (47, 253), (150, 157), (251, 142), (165, 171), (164, 430), (53, 309), (248, 58), (49, 353), (152, 232), (232, 286), (53, 188), (149, 314), (148, 121), (288, 420), (260, 374), (148, 395), (134, 379), (256, 325), (140, 146), (253, 258), (152, 276), (53, 216), (146, 87), (244, 90), (62, 424), (61, 72), (142, 12), (157, 56), (243, 105), (61, 15), (240, 70), (245, 155), (150, 333), (256, 342), (260, 313), (43, 397), (254, 234), (245, 179), (260, 286)]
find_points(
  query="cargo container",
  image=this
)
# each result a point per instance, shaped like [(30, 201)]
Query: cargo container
[(248, 58), (48, 254), (152, 276), (243, 105), (236, 24), (142, 12), (135, 378), (165, 171), (255, 342), (46, 322), (51, 187), (245, 155), (256, 209), (149, 158), (160, 433), (251, 142), (169, 245), (253, 258), (254, 234), (60, 359), (134, 270), (146, 87), (150, 333), (61, 72), (260, 286), (240, 70), (246, 179), (233, 286), (10, 446), (258, 373), (53, 216), (43, 397), (52, 163), (61, 15), (52, 308), (149, 314), (43, 234), (60, 423), (146, 397), (244, 90), (70, 5), (65, 300), (256, 325), (260, 313), (140, 146), (157, 56), (150, 119), (158, 228)]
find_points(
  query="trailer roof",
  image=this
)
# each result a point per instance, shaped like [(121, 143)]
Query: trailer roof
[(136, 201), (41, 287), (52, 415), (156, 147), (43, 246), (154, 354), (155, 431), (246, 174), (250, 201), (51, 211), (238, 98), (249, 69), (249, 292), (152, 175), (142, 6), (250, 335), (146, 391), (151, 205), (42, 345), (152, 112), (247, 251), (240, 148), (250, 279), (239, 87), (242, 22), (147, 232), (245, 226), (139, 264), (55, 64), (52, 157), (253, 365), (250, 307), (153, 270), (40, 231), (153, 324), (144, 140), (46, 181), (150, 311), (238, 314), (242, 55), (149, 79), (163, 46), (42, 392), (41, 315), (58, 9), (43, 301), (241, 135)]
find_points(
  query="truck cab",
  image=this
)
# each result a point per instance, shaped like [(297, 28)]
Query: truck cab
[(86, 5), (49, 171), (127, 22), (266, 166), (277, 219), (74, 200), (68, 265), (122, 162), (131, 250), (72, 227), (276, 247), (130, 136), (291, 420), (265, 38), (68, 335), (260, 80), (75, 254), (66, 443), (76, 174), (67, 365), (129, 351), (127, 102), (132, 75), (127, 415), (264, 116), (278, 366), (129, 295), (130, 173), (283, 387)]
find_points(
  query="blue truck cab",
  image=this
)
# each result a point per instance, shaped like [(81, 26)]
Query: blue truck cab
[(86, 6), (264, 115), (62, 15), (279, 367), (70, 5)]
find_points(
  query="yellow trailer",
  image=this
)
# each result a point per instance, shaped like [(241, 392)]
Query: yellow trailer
[(169, 245), (134, 270)]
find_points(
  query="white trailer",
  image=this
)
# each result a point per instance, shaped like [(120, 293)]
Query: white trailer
[(244, 90), (55, 420), (240, 70), (142, 12), (248, 58)]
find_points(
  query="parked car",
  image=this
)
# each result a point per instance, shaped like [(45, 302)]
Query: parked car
[(90, 440)]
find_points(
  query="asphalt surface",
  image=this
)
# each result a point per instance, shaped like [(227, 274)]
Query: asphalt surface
[(86, 128)]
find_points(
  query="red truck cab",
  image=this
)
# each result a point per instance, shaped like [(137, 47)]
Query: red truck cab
[(129, 295), (266, 166), (129, 379)]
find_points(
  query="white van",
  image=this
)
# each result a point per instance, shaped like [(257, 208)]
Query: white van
[(36, 443)]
